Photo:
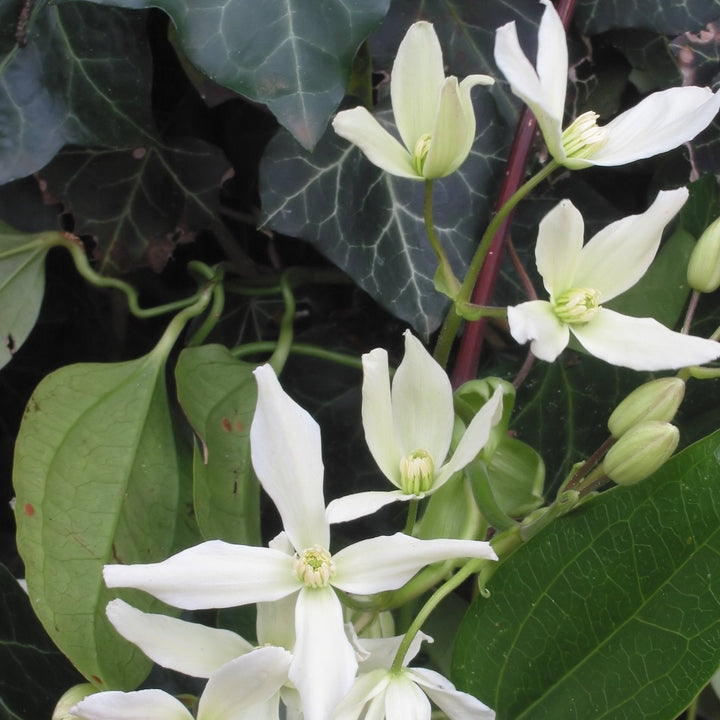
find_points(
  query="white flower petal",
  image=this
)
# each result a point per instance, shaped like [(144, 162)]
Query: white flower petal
[(552, 60), (324, 662), (417, 78), (275, 622), (559, 246), (381, 148), (377, 414), (422, 403), (642, 343), (620, 254), (138, 705), (660, 122), (287, 457), (404, 700), (474, 438), (387, 563), (366, 687), (187, 647), (382, 651), (213, 574), (525, 83), (537, 322), (455, 704), (362, 504), (247, 687)]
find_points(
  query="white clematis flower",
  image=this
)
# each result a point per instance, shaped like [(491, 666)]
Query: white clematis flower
[(286, 454), (238, 690), (659, 123), (380, 693), (434, 114), (409, 428), (579, 278)]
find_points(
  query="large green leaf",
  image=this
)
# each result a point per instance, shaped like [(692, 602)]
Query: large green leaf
[(22, 285), (613, 611), (139, 202), (34, 673), (83, 77), (218, 394), (293, 55), (96, 479), (371, 224)]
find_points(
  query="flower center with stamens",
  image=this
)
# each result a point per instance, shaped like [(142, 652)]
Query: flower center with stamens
[(583, 138), (417, 470), (314, 566), (577, 305), (422, 148)]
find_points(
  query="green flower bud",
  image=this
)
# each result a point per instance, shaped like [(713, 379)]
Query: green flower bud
[(640, 452), (655, 400), (70, 699), (703, 271)]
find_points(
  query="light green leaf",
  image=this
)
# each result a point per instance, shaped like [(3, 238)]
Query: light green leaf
[(82, 78), (293, 55), (218, 394), (96, 480), (22, 286), (613, 611)]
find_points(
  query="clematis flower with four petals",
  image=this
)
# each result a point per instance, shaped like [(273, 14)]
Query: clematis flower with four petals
[(433, 113), (662, 121), (578, 278), (409, 428), (287, 457)]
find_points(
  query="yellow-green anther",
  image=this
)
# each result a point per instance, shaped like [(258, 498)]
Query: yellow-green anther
[(314, 566), (582, 138), (655, 400), (640, 452), (577, 305), (703, 271), (422, 148), (417, 470)]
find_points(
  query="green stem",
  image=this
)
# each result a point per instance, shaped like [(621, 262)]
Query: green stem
[(269, 346), (452, 320), (412, 516), (450, 282), (285, 337), (470, 568)]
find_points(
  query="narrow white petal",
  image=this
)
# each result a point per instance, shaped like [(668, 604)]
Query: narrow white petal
[(324, 662), (474, 438), (536, 321), (366, 687), (642, 343), (552, 59), (275, 622), (287, 457), (362, 504), (620, 254), (377, 414), (383, 650), (422, 403), (525, 83), (381, 148), (455, 704), (415, 84), (187, 647), (404, 700), (213, 574), (660, 122), (559, 245), (388, 562), (246, 687), (138, 705)]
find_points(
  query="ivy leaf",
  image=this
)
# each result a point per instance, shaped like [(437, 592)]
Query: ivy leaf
[(293, 55), (370, 223), (35, 674), (139, 202), (96, 480), (218, 393), (83, 77), (613, 611)]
